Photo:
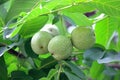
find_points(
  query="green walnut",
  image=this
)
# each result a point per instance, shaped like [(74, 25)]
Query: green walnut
[(83, 37), (39, 42), (52, 29), (60, 47)]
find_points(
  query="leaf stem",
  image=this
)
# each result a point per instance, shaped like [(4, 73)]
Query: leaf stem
[(59, 71), (46, 64)]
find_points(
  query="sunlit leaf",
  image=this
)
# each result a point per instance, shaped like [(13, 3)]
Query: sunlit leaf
[(48, 8), (18, 6), (51, 73), (96, 69), (44, 78), (29, 27), (51, 7), (81, 8), (79, 19), (32, 26), (11, 62), (104, 29), (110, 7)]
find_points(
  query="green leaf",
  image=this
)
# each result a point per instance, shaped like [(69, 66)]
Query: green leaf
[(81, 8), (4, 49), (110, 56), (33, 25), (49, 7), (110, 71), (2, 40), (44, 78), (3, 69), (29, 27), (29, 50), (1, 25), (117, 77), (48, 62), (79, 19), (13, 66), (62, 76), (115, 42), (56, 19), (96, 69), (20, 75), (37, 62), (18, 6), (71, 76), (93, 53), (109, 7), (69, 20), (118, 43), (11, 62), (105, 29), (3, 11), (77, 71), (61, 25), (36, 74), (52, 73), (2, 1)]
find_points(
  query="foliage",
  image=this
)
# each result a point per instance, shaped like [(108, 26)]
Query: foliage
[(21, 19)]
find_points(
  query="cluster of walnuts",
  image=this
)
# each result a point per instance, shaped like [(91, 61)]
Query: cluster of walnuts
[(48, 39)]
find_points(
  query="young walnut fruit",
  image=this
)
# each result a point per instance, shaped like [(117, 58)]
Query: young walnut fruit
[(39, 42), (52, 29), (83, 37), (60, 47)]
